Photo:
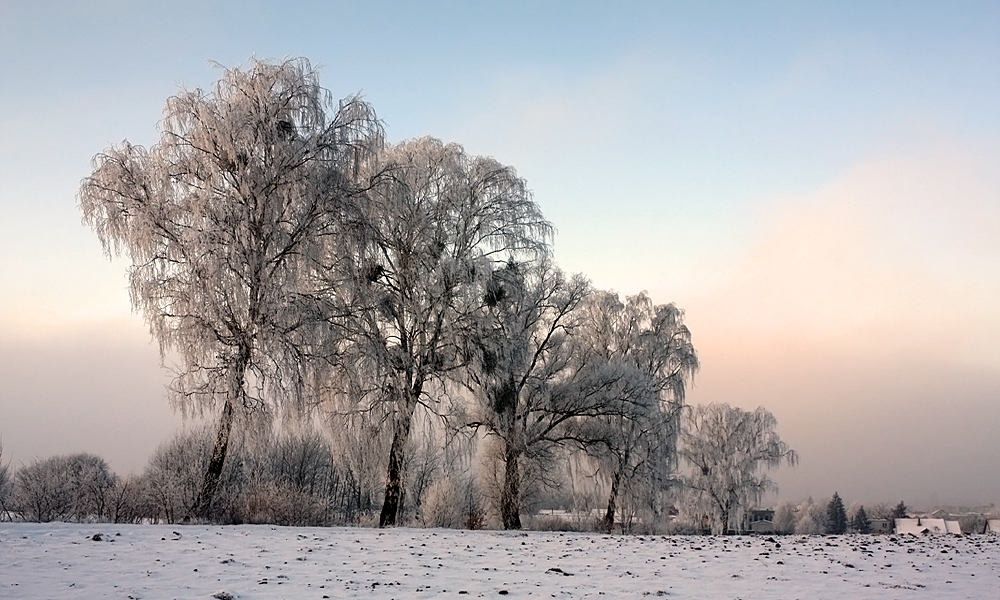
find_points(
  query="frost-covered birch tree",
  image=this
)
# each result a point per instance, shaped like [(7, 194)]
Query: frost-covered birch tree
[(532, 377), (437, 221), (729, 451), (636, 444), (518, 353), (225, 219)]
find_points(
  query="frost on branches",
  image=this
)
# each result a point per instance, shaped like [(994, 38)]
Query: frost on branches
[(227, 219), (729, 451), (634, 442), (290, 259), (523, 369), (437, 222)]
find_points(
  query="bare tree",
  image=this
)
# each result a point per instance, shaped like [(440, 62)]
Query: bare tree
[(174, 474), (880, 510), (42, 491), (811, 517), (533, 379), (636, 444), (729, 451), (127, 503), (95, 483), (437, 220), (784, 517), (74, 487), (225, 219), (5, 486)]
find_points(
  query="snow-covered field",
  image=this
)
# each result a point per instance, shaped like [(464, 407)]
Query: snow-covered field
[(257, 562)]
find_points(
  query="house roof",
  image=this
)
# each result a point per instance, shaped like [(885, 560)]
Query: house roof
[(921, 526)]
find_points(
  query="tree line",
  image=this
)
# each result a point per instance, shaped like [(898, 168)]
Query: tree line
[(832, 516), (306, 275), (329, 474)]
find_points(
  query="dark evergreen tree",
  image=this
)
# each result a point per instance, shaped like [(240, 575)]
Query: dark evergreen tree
[(900, 511), (861, 523), (836, 515)]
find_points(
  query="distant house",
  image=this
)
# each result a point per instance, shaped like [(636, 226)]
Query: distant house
[(922, 526), (881, 525), (759, 521)]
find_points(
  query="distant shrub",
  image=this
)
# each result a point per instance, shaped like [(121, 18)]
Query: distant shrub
[(282, 504), (173, 476), (77, 487), (442, 506), (681, 526), (559, 523)]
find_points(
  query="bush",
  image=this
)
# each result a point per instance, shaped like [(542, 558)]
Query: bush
[(61, 488), (173, 477), (475, 513), (441, 506), (282, 504), (558, 523), (682, 526)]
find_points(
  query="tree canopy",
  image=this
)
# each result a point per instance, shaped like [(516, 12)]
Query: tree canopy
[(836, 515), (226, 219), (729, 451), (292, 259), (436, 223)]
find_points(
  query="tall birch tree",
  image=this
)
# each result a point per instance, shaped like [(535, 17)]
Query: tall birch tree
[(438, 221), (225, 220), (638, 440), (534, 379), (520, 350), (730, 451)]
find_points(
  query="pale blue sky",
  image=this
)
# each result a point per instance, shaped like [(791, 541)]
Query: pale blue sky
[(815, 183)]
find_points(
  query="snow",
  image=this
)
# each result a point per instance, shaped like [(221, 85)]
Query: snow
[(258, 561)]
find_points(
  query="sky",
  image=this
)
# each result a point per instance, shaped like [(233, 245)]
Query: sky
[(816, 184)]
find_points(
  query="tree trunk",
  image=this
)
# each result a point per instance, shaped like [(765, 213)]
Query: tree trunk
[(510, 497), (201, 507), (726, 511), (394, 474), (609, 517)]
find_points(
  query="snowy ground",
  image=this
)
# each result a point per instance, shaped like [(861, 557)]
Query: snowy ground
[(257, 562)]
